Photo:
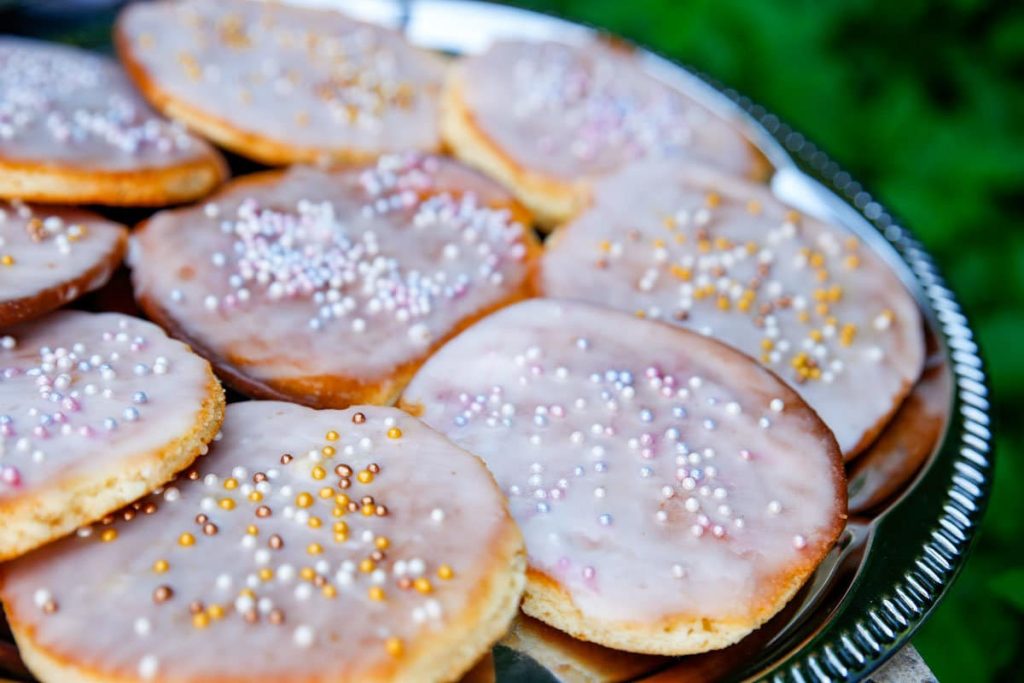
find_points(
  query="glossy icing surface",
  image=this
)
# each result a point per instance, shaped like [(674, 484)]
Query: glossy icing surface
[(307, 545), (348, 274), (63, 106), (84, 392), (42, 248), (724, 258), (577, 112), (303, 77), (654, 473)]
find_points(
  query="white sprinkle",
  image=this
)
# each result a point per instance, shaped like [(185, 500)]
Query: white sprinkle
[(142, 626), (303, 636), (41, 597), (148, 666), (776, 405)]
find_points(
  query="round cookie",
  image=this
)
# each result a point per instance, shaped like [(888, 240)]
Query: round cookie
[(891, 462), (74, 131), (283, 84), (725, 258), (306, 546), (547, 119), (96, 410), (673, 494), (331, 288), (50, 256)]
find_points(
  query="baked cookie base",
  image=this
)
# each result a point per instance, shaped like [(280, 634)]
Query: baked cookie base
[(52, 298), (678, 635), (55, 184), (60, 508)]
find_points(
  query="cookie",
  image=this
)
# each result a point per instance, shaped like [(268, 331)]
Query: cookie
[(96, 410), (725, 258), (330, 288), (575, 661), (306, 546), (906, 443), (50, 256), (547, 119), (74, 131), (283, 84), (673, 494)]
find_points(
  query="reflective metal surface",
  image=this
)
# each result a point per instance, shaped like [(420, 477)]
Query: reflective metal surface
[(916, 496)]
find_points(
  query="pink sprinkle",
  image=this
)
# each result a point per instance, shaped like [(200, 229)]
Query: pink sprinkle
[(10, 476)]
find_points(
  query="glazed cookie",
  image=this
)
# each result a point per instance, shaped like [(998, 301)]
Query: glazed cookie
[(331, 288), (50, 256), (283, 84), (74, 131), (547, 119), (673, 494), (96, 410), (725, 258), (324, 545)]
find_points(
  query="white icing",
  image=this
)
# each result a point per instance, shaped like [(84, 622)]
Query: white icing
[(590, 458)]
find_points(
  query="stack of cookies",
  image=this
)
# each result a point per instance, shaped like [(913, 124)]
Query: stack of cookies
[(633, 431)]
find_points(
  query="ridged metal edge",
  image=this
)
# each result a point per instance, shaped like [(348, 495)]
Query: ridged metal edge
[(853, 653)]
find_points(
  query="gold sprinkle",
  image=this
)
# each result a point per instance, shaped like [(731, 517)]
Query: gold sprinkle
[(108, 535), (161, 566)]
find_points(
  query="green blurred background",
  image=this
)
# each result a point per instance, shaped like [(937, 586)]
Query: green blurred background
[(923, 103)]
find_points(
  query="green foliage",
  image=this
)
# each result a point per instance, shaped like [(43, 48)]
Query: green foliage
[(923, 103)]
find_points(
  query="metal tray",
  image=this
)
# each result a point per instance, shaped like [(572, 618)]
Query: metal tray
[(916, 496)]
